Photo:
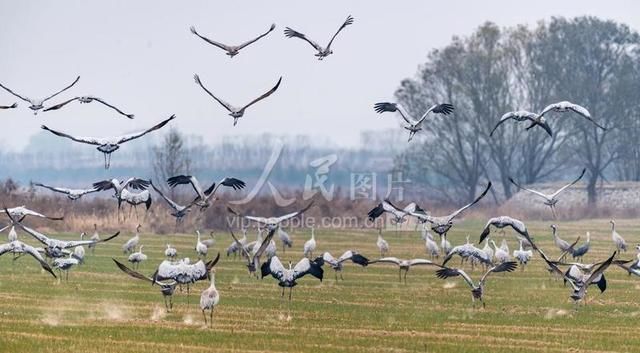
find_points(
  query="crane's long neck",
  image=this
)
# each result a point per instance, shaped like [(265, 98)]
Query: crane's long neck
[(213, 281), (140, 251)]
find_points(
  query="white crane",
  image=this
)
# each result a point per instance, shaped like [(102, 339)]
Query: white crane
[(551, 199), (237, 112), (17, 247), (89, 99), (322, 52), (287, 277), (232, 50), (108, 145), (137, 258), (565, 106), (13, 235), (200, 248), (285, 238), (441, 225), (618, 240), (523, 256), (338, 264), (271, 222), (203, 196), (130, 245), (477, 290), (383, 245), (170, 252), (209, 298), (403, 265), (488, 249), (72, 194), (520, 116), (38, 103), (415, 125), (166, 287), (310, 245)]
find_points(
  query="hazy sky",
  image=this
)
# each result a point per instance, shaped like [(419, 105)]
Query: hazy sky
[(140, 56)]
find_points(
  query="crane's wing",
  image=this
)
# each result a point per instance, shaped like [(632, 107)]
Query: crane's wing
[(416, 262), (273, 26), (393, 107), (304, 267), (597, 273), (88, 140), (440, 108), (273, 267), (262, 220), (226, 105), (570, 184), (289, 33), (585, 114), (15, 94), (171, 203), (388, 260), (130, 116), (74, 243), (36, 255), (187, 179), (131, 272), (62, 90), (60, 105), (210, 41), (135, 135), (60, 190), (446, 272), (526, 189), (456, 213), (505, 117), (293, 214), (346, 23), (239, 244), (265, 95), (235, 184), (137, 183), (264, 244), (508, 266)]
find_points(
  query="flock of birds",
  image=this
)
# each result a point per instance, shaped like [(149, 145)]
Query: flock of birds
[(261, 255)]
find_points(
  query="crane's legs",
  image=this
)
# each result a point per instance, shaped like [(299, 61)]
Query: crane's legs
[(211, 317), (553, 212), (400, 275), (405, 276), (204, 316), (342, 278)]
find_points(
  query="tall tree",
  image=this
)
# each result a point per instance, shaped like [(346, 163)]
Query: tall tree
[(170, 158)]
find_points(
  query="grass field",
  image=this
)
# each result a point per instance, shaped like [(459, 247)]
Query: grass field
[(101, 309)]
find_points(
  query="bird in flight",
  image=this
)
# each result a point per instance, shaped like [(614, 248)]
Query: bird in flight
[(414, 125), (237, 112), (108, 145), (232, 50), (38, 103), (89, 99), (322, 52), (523, 115)]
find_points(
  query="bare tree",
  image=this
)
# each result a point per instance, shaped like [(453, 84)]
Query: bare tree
[(170, 158)]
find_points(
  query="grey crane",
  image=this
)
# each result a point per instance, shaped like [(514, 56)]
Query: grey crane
[(415, 125), (203, 196), (271, 223), (65, 264), (565, 106), (119, 186), (321, 52), (551, 199), (179, 211), (338, 264), (17, 247), (167, 288), (310, 245), (287, 278), (232, 50), (137, 257), (184, 272), (72, 194), (134, 199), (403, 265), (523, 115), (383, 245), (523, 256), (236, 112), (108, 145), (129, 246), (170, 252), (38, 103), (253, 255), (562, 244), (502, 222), (618, 240), (89, 99), (441, 225), (579, 252), (209, 298), (399, 214), (477, 290), (285, 238), (95, 237), (22, 212)]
